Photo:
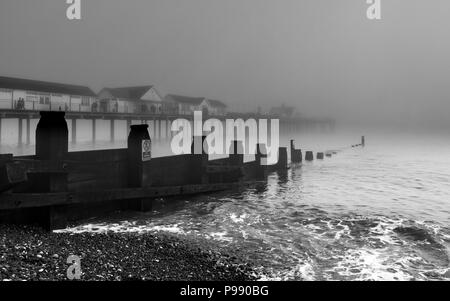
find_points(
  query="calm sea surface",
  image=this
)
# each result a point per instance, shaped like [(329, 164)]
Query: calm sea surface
[(376, 213)]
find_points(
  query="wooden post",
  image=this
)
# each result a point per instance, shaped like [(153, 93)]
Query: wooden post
[(138, 133), (51, 144), (199, 160), (0, 130), (282, 158), (292, 150), (236, 153), (309, 156), (296, 154), (320, 156), (363, 141), (261, 167)]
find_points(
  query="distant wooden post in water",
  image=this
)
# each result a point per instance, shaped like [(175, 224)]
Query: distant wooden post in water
[(363, 141), (320, 156), (309, 156), (282, 158), (296, 154)]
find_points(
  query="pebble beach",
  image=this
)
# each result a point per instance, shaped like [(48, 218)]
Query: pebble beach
[(28, 253)]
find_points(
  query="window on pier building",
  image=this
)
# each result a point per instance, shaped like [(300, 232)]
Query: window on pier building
[(44, 99), (85, 101)]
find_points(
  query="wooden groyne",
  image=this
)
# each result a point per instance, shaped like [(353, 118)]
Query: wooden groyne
[(55, 186)]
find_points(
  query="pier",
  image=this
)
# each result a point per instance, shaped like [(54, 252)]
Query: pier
[(24, 122), (56, 186)]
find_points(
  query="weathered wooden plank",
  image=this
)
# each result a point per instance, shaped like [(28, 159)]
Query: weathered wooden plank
[(30, 200), (11, 173)]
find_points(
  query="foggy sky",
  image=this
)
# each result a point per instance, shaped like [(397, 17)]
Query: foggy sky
[(322, 56)]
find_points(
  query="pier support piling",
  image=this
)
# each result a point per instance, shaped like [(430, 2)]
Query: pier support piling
[(28, 141), (112, 130), (74, 131), (94, 131), (20, 131)]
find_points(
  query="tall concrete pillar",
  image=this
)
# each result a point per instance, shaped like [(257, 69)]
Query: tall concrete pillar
[(167, 129), (112, 130), (20, 131), (94, 130), (128, 126), (28, 130), (74, 130)]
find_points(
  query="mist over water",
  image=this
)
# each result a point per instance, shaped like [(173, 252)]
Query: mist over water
[(376, 213)]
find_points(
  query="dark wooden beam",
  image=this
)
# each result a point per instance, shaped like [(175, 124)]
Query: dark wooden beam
[(33, 200)]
